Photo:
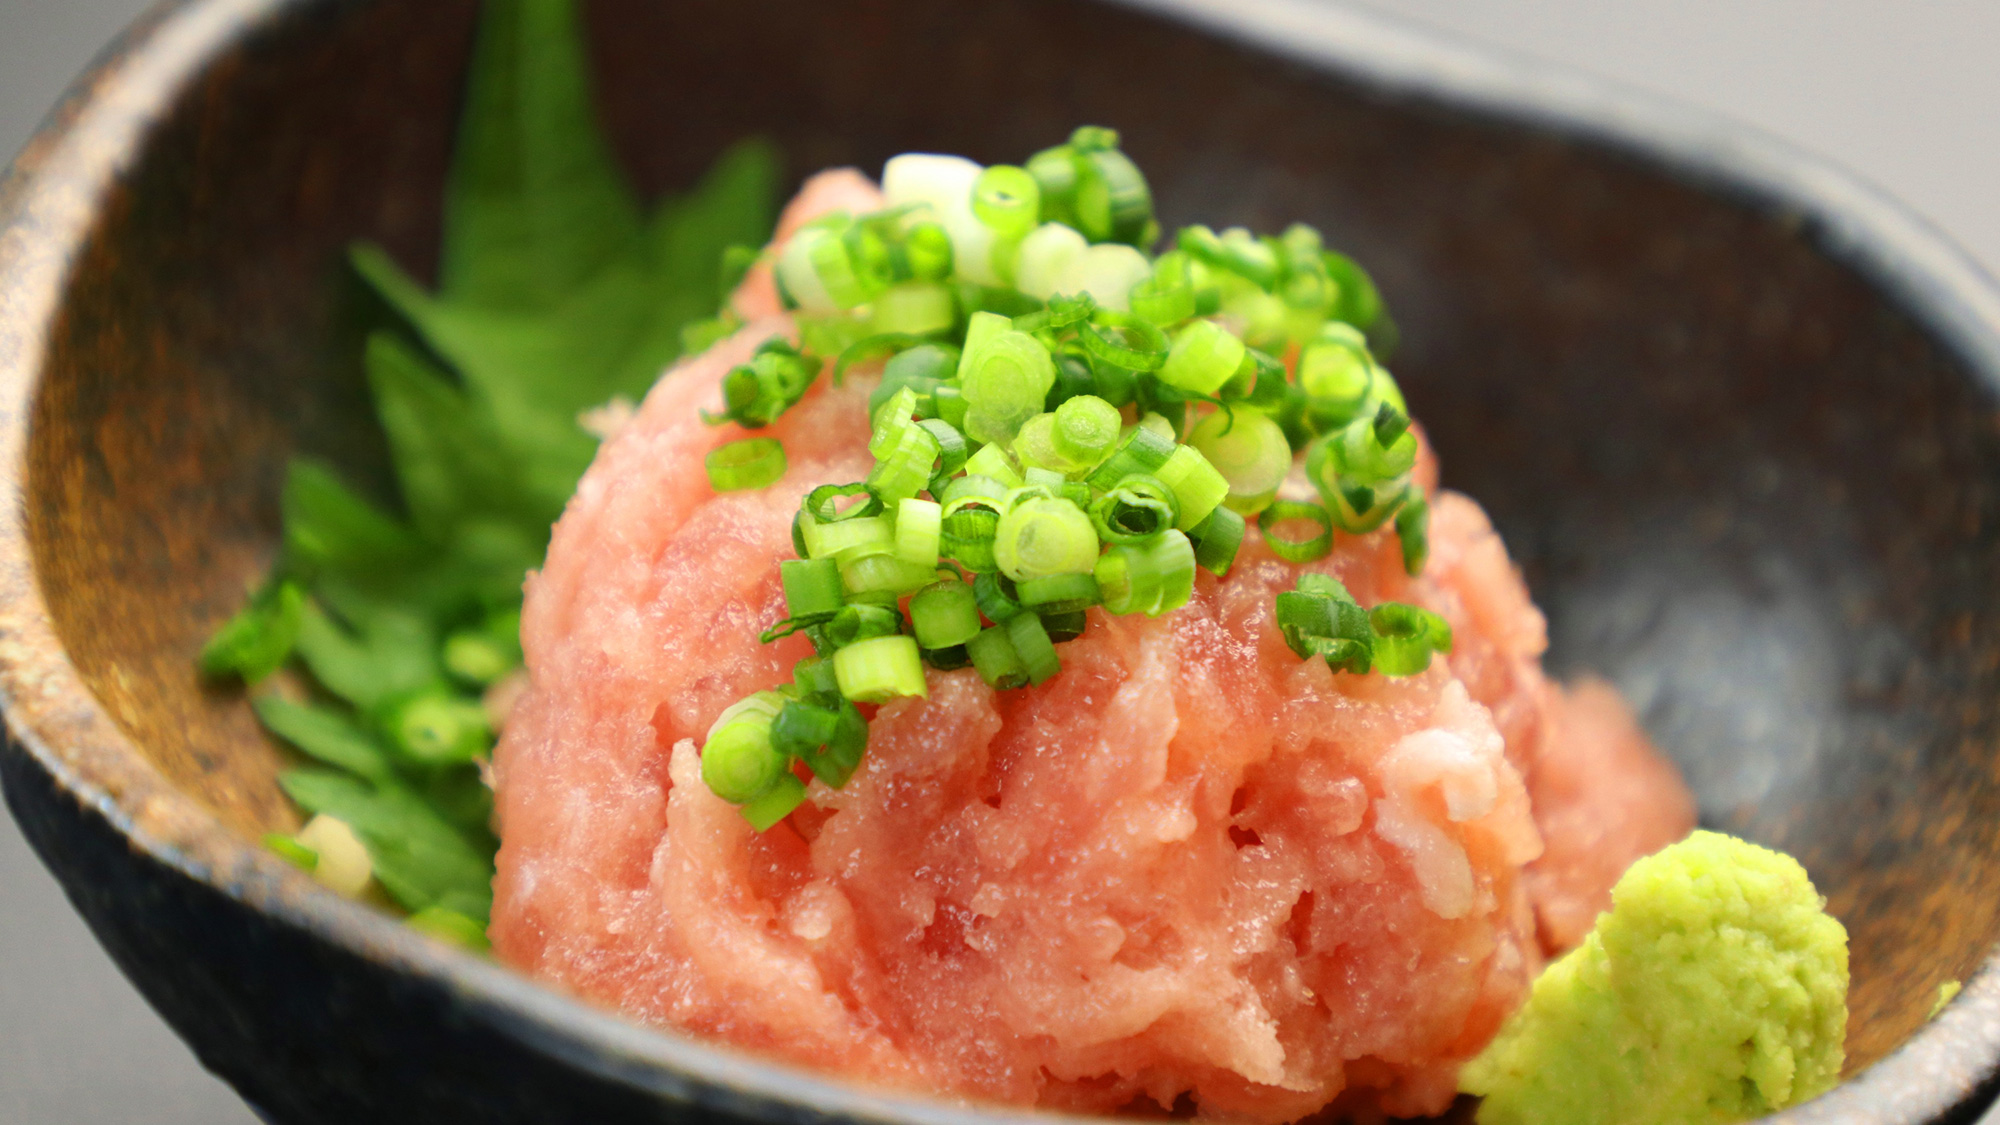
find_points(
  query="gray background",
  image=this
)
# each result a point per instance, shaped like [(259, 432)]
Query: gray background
[(1904, 92)]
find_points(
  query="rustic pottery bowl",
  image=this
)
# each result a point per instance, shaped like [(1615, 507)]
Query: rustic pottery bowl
[(1734, 413)]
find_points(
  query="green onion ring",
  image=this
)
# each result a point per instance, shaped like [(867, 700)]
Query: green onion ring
[(951, 448), (1297, 550), (819, 502), (1139, 345), (747, 464), (870, 348)]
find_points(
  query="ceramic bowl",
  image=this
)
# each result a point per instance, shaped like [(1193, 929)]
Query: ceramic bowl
[(1734, 413)]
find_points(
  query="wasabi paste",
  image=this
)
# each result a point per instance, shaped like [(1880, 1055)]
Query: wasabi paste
[(1715, 990)]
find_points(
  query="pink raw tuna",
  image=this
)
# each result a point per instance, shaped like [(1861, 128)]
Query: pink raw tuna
[(1191, 866)]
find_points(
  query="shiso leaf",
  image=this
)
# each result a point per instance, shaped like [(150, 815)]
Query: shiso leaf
[(388, 652), (325, 734), (536, 206), (330, 528), (555, 293)]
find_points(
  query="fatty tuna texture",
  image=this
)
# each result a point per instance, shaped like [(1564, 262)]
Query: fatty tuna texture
[(1191, 871)]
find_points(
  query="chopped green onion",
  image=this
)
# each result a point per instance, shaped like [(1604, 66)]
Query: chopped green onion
[(1167, 297), (919, 526), (775, 804), (1064, 626), (1216, 540), (293, 852), (972, 487), (1005, 381), (843, 538), (1413, 521), (1236, 251), (1040, 537), (1112, 201), (905, 468), (1112, 383), (1124, 340), (860, 622), (1361, 474), (949, 404), (1321, 618), (738, 762), (1138, 507), (966, 534), (1142, 450), (921, 368), (1251, 453), (797, 280), (822, 502), (1108, 274), (1055, 172), (1062, 311), (1007, 199), (1035, 448), (917, 308), (994, 463), (871, 348), (1032, 645), (832, 263), (1359, 304), (1152, 577), (1335, 369), (828, 738), (890, 421), (944, 615), (756, 393), (1086, 429), (1292, 549), (1197, 487), (1037, 482), (875, 575), (1405, 637), (451, 926), (996, 597), (951, 448), (928, 251), (813, 676), (1047, 255), (812, 587), (475, 656), (1073, 378), (750, 463), (1060, 593), (992, 653), (1205, 355), (439, 727), (981, 328), (947, 659), (879, 669), (256, 641)]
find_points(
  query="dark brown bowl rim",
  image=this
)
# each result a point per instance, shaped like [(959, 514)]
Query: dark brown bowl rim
[(50, 200)]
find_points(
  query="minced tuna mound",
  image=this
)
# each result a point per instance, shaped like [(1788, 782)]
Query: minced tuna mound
[(1189, 872)]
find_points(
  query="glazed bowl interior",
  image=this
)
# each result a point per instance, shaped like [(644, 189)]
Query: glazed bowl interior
[(1747, 486)]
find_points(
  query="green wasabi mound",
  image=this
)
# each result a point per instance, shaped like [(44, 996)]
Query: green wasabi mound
[(1715, 990)]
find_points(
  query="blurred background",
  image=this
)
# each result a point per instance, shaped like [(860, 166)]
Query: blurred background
[(1905, 94)]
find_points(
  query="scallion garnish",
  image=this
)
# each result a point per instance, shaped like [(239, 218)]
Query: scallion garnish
[(944, 615), (750, 463), (878, 669), (1216, 540), (1040, 370), (1405, 637), (1292, 548)]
